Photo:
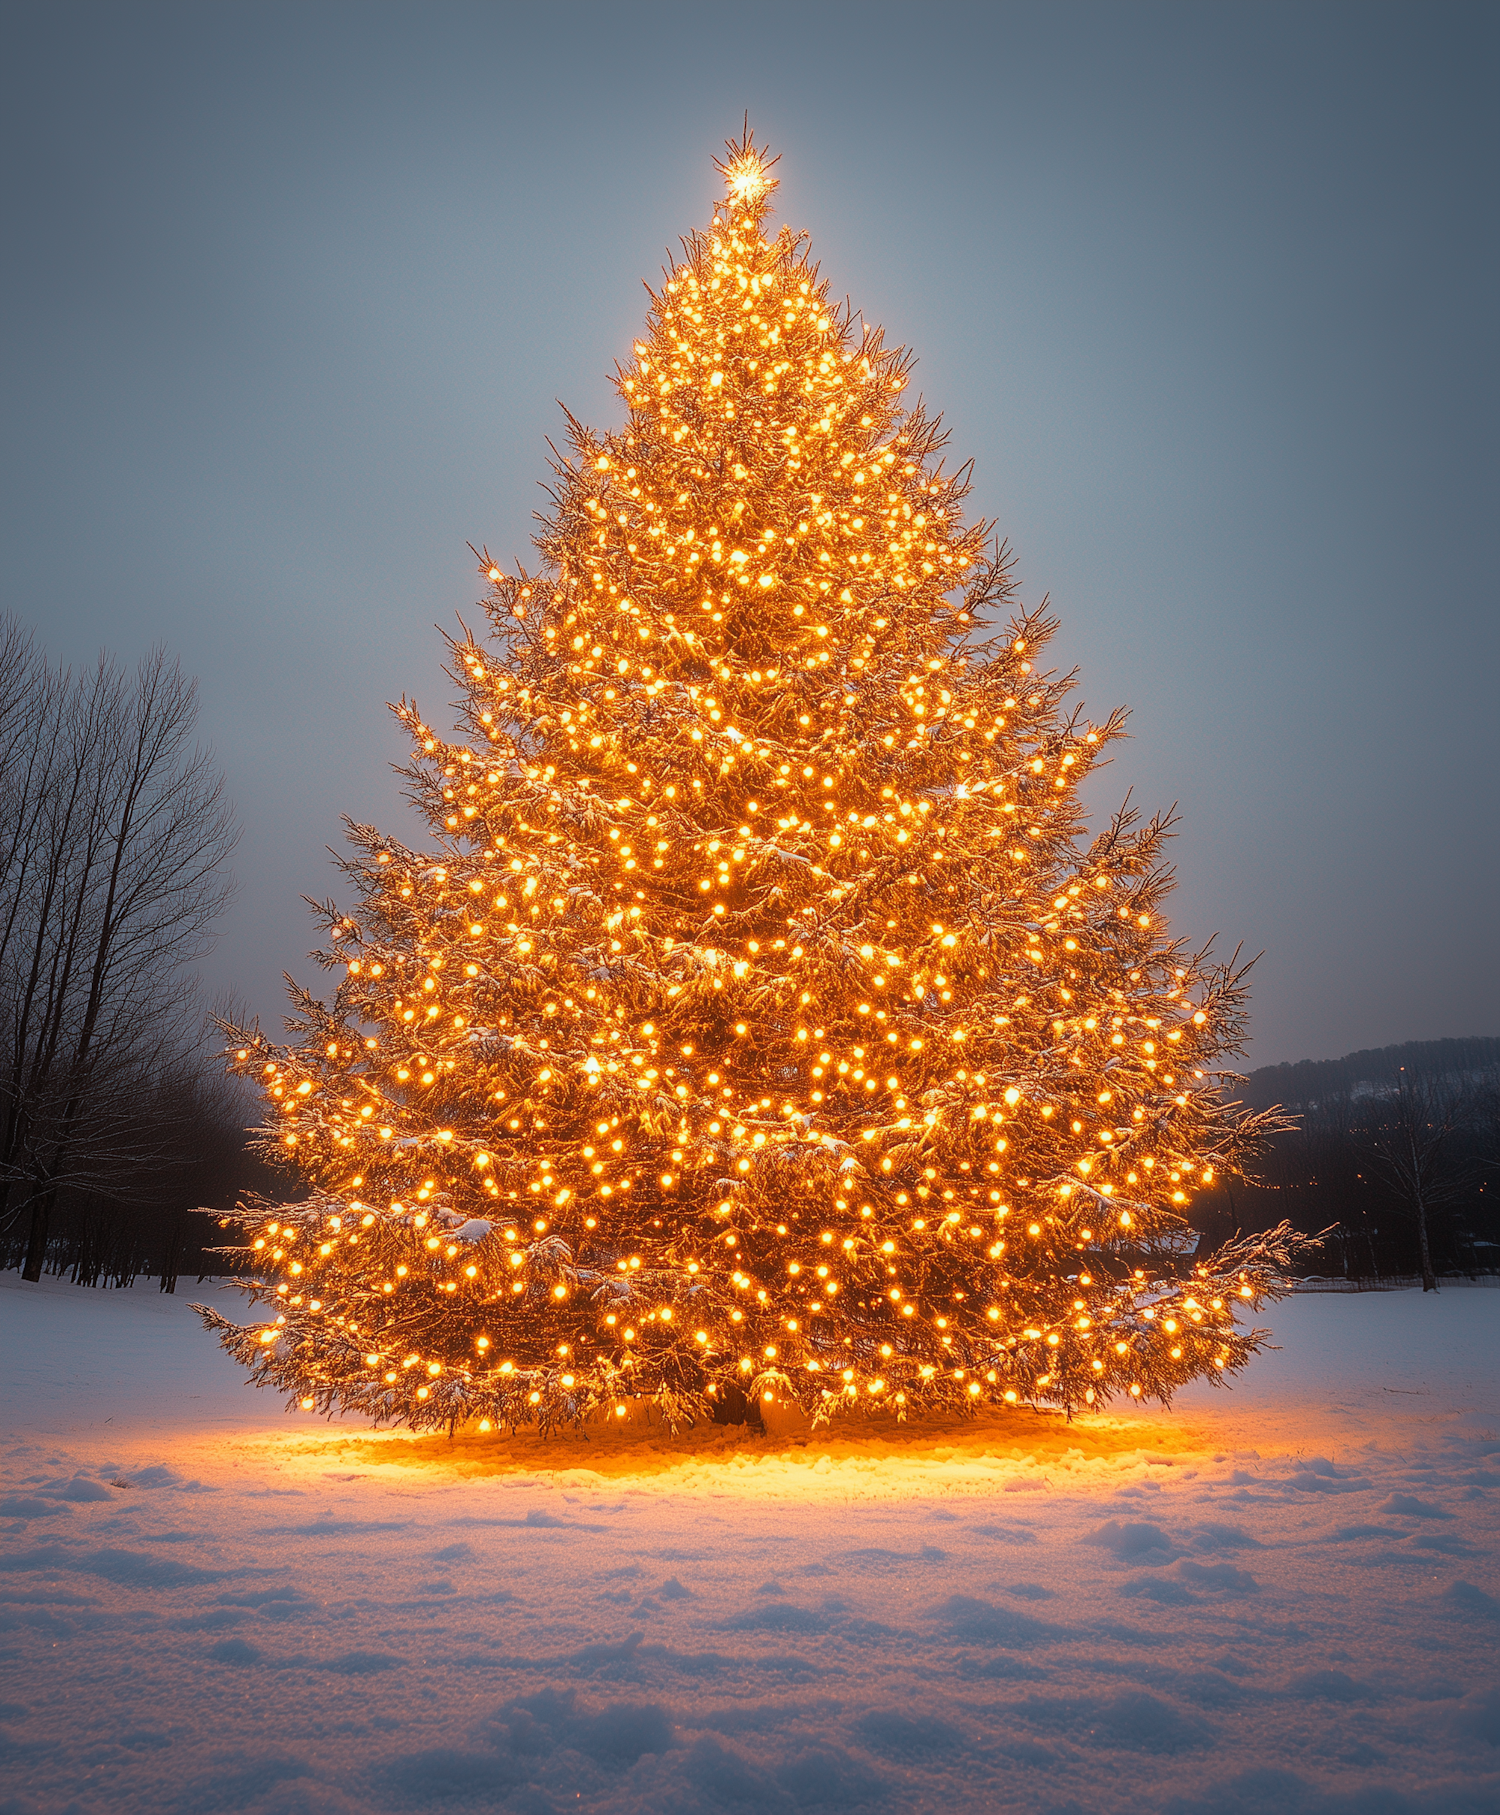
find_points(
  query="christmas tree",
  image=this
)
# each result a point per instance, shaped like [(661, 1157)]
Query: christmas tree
[(762, 1017)]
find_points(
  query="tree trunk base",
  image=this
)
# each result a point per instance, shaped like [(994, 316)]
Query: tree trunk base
[(36, 1243)]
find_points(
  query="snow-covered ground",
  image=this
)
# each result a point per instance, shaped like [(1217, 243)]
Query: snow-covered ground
[(1279, 1598)]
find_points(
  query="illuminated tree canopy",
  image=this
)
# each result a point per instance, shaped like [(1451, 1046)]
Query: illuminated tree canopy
[(763, 1014)]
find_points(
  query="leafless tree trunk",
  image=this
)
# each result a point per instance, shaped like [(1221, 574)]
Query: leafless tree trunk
[(1411, 1136), (114, 832)]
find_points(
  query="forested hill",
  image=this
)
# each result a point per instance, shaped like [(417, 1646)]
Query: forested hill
[(1315, 1080)]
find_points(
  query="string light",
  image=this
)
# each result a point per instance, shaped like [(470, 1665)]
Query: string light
[(762, 1016)]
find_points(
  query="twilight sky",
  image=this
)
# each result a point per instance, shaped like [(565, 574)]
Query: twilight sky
[(1208, 293)]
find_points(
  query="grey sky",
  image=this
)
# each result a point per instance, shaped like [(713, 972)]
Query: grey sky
[(1208, 293)]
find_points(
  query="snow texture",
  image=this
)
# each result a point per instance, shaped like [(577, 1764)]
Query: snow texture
[(1282, 1597)]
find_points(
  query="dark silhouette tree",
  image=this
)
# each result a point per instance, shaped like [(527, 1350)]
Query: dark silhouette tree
[(114, 834)]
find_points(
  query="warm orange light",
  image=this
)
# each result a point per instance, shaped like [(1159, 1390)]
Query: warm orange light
[(761, 1011)]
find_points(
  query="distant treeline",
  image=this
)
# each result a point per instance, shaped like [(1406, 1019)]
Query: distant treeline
[(1396, 1151), (1314, 1081), (152, 1223)]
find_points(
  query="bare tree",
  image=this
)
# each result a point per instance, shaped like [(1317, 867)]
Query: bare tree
[(115, 833), (1412, 1133)]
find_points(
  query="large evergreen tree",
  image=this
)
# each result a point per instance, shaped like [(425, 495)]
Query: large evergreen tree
[(762, 1016)]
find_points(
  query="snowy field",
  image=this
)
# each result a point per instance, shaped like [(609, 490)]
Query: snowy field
[(1279, 1598)]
